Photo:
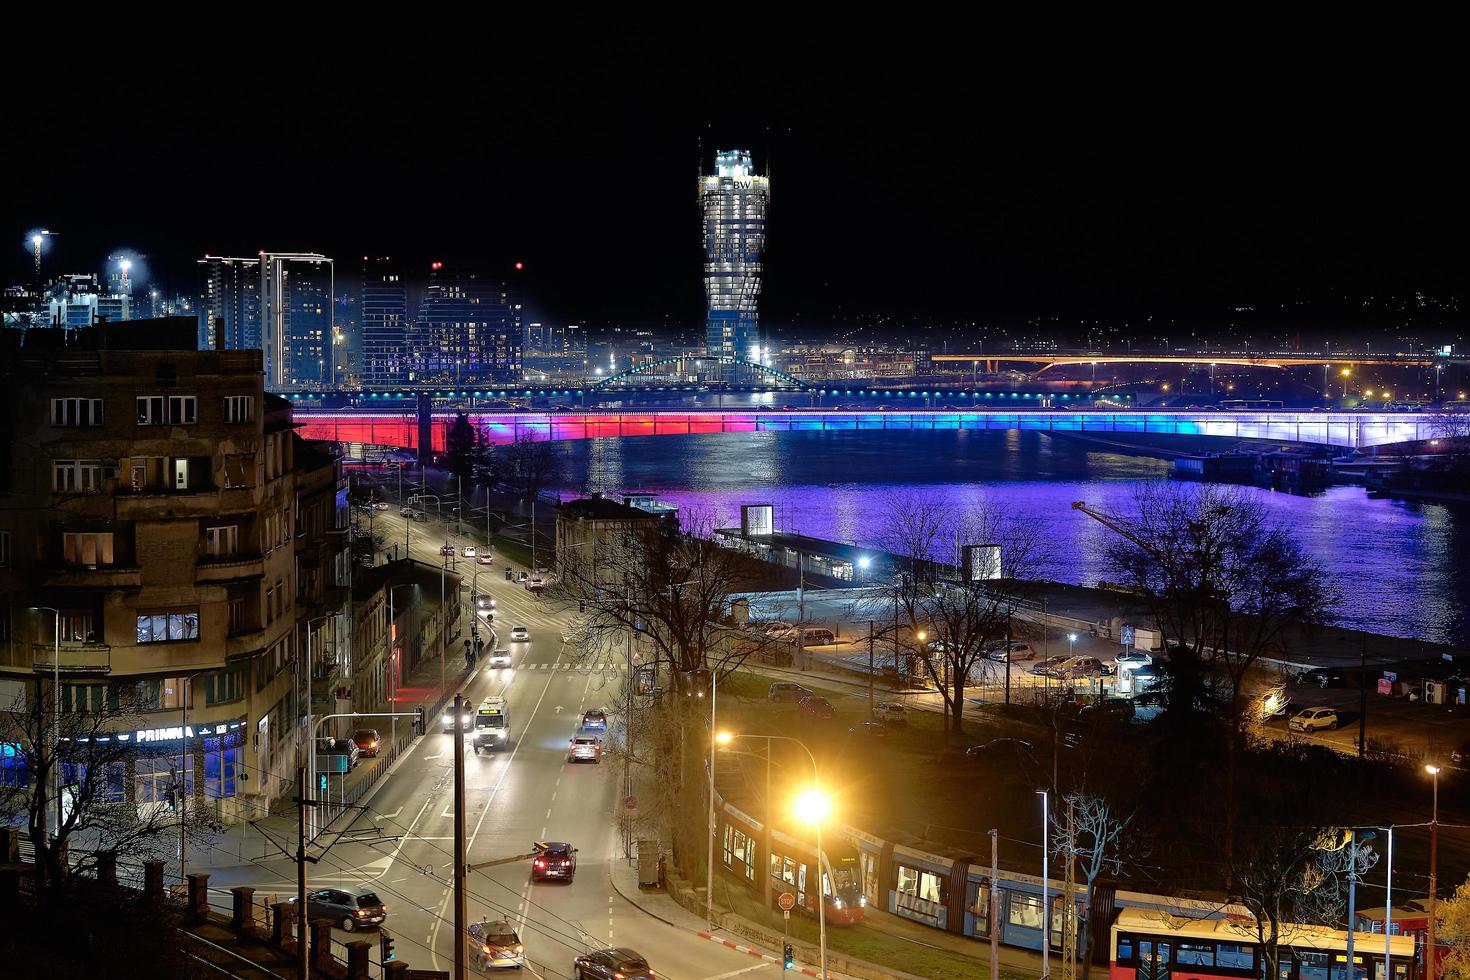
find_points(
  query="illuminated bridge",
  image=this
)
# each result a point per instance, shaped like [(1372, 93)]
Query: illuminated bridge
[(1348, 430)]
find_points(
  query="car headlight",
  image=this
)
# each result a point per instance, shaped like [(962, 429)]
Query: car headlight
[(837, 903)]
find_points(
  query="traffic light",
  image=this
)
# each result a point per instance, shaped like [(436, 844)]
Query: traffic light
[(418, 720), (321, 782), (385, 948), (788, 957)]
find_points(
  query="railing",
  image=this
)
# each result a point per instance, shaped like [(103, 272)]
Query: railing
[(73, 656)]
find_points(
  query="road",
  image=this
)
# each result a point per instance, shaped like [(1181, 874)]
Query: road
[(512, 798)]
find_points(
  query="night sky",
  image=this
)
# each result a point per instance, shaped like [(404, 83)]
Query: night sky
[(899, 188)]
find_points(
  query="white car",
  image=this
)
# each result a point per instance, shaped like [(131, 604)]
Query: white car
[(500, 658), (1018, 650), (467, 722), (483, 602), (891, 711), (1313, 720), (469, 551), (584, 748), (519, 634), (485, 558)]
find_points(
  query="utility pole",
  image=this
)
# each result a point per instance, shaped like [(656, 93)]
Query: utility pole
[(460, 868), (1008, 656), (301, 805), (994, 911), (870, 668), (1069, 904), (1363, 706)]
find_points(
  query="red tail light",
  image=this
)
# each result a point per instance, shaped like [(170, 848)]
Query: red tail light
[(540, 863)]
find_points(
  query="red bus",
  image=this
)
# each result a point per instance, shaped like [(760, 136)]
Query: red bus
[(1148, 945)]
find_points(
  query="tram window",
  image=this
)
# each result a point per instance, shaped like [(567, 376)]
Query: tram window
[(1025, 910), (1234, 957), (1311, 965), (1194, 954), (1125, 949)]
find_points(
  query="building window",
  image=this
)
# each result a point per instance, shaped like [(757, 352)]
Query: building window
[(222, 687), (237, 615), (181, 474), (239, 470), (156, 778), (168, 627), (86, 698), (239, 408), (223, 541), (76, 475), (4, 549), (78, 626), (167, 410), (87, 548), (161, 693), (76, 411)]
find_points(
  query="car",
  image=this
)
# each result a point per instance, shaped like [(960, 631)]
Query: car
[(469, 551), (519, 634), (338, 746), (1108, 709), (447, 550), (891, 711), (773, 627), (554, 859), (814, 706), (871, 728), (1461, 755), (382, 505), (348, 906), (1313, 720), (420, 515), (612, 964), (1132, 659), (1016, 650), (1081, 667), (1047, 667), (788, 691), (584, 748), (467, 719), (815, 636), (1323, 677), (500, 657), (367, 742), (485, 558), (594, 720), (484, 602), (1003, 751), (405, 512), (494, 944), (522, 576)]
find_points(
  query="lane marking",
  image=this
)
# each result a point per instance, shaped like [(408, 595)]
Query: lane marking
[(736, 973)]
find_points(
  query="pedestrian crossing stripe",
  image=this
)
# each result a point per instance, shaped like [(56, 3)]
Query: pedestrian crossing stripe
[(609, 665)]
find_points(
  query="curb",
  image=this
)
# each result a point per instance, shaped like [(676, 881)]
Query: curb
[(758, 954)]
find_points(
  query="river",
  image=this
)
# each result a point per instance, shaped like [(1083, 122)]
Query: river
[(1403, 569)]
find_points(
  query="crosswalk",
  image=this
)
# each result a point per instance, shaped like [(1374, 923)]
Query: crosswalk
[(605, 665)]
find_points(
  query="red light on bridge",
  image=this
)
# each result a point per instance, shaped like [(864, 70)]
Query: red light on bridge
[(520, 266)]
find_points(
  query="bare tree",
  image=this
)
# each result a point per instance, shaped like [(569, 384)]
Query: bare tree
[(528, 464), (80, 752), (1099, 846), (1225, 587), (951, 618)]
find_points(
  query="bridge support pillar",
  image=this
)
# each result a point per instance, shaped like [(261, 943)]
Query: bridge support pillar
[(426, 428)]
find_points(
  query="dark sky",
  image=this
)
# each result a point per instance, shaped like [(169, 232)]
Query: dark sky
[(904, 185)]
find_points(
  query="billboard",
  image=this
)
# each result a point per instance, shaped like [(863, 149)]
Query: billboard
[(980, 562), (757, 519)]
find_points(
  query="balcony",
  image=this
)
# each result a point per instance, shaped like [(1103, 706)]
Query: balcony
[(74, 658), (228, 568), (92, 577)]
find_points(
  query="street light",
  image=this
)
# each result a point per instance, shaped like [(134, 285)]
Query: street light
[(1071, 644), (812, 806), (1045, 898), (1429, 946)]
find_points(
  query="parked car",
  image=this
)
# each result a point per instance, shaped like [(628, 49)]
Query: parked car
[(1047, 667), (1003, 751), (469, 551), (873, 728), (494, 944), (891, 711), (594, 720), (788, 691), (1081, 667), (814, 706), (348, 906), (420, 515), (1313, 720), (1108, 709), (1018, 650), (485, 557), (367, 742), (1461, 755), (584, 748), (521, 576), (815, 636), (338, 746), (772, 628), (554, 859), (519, 634), (405, 512), (611, 964), (1323, 677)]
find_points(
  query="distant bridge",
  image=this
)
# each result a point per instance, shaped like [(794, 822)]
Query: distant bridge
[(681, 362), (1237, 359), (1347, 430)]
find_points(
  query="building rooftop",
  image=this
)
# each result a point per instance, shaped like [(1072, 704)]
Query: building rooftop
[(405, 571), (171, 333), (600, 508)]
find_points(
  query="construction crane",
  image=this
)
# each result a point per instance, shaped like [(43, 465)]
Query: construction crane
[(1118, 526)]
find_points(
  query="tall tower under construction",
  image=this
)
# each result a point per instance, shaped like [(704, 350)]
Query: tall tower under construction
[(734, 202)]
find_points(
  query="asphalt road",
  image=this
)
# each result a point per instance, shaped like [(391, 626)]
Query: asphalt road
[(526, 793)]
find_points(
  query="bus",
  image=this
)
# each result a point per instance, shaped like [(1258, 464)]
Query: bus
[(1243, 404), (492, 725), (1151, 945)]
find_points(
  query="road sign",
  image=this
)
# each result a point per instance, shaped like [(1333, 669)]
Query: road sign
[(787, 901), (630, 802)]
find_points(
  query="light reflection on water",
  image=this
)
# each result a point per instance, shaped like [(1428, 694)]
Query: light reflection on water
[(1402, 567)]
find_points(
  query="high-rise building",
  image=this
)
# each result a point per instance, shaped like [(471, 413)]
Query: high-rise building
[(229, 295), (72, 300), (468, 329), (385, 323), (734, 202), (297, 299), (166, 539)]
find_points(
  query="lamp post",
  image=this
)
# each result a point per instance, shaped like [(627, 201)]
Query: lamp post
[(1429, 946), (393, 655), (813, 807), (183, 767), (1045, 897), (709, 880), (55, 702), (1352, 910)]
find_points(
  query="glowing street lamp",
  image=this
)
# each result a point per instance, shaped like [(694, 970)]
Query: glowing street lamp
[(813, 807)]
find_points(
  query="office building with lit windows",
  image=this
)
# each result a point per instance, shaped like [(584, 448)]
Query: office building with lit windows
[(168, 544), (468, 329), (385, 323), (229, 301), (733, 201), (297, 299)]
